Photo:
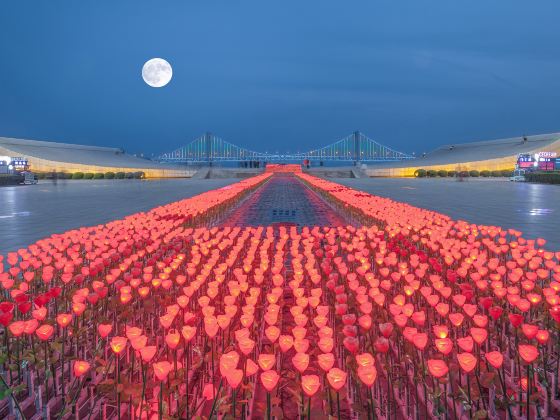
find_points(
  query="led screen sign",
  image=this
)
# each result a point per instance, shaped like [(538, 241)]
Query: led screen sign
[(546, 161), (546, 164), (541, 161), (20, 164), (525, 161)]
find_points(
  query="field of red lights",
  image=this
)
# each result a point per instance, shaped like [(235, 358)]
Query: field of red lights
[(195, 310)]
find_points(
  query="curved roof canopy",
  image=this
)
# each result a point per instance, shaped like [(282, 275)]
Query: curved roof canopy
[(78, 154), (483, 150)]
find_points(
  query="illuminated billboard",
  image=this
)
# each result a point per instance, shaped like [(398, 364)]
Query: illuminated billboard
[(546, 161), (546, 164), (20, 164), (541, 161), (525, 161)]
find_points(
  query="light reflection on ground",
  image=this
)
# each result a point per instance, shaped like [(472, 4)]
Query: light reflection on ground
[(540, 212), (32, 212), (531, 208), (29, 213), (20, 213)]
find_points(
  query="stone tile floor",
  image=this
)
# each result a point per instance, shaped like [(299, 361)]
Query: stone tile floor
[(284, 200), (533, 209), (29, 213), (32, 212)]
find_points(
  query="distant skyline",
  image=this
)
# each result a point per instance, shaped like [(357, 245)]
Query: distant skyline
[(280, 76)]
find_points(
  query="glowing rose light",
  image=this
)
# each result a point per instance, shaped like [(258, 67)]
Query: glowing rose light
[(437, 368), (386, 329), (444, 345), (467, 361), (31, 325), (234, 378), (133, 332), (40, 313), (266, 361), (172, 339), (381, 345), (301, 361), (367, 374), (336, 378), (17, 328), (528, 353), (365, 359), (161, 370), (80, 367), (64, 320), (188, 333), (118, 344), (228, 362), (138, 343), (246, 345), (479, 335), (286, 342), (44, 332), (542, 336), (147, 353), (251, 367), (104, 330), (269, 379), (441, 331), (530, 331), (310, 384), (466, 343), (325, 361), (272, 333), (495, 358)]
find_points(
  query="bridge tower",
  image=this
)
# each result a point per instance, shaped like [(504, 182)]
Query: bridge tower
[(209, 148), (357, 151)]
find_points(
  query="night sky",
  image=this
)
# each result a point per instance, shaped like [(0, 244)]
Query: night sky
[(279, 76)]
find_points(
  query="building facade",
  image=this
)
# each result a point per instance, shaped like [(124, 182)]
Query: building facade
[(46, 156), (493, 155)]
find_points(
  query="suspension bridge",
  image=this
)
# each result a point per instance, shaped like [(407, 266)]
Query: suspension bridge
[(356, 147)]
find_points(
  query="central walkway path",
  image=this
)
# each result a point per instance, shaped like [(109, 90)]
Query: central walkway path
[(285, 200)]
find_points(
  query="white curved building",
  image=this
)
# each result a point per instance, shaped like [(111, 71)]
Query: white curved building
[(46, 156), (493, 155)]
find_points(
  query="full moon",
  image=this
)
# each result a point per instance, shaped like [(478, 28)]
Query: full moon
[(157, 72)]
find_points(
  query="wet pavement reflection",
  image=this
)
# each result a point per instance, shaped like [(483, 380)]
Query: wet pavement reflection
[(533, 209), (29, 213), (32, 212), (284, 200)]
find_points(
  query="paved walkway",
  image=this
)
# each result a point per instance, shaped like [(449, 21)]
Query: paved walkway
[(32, 212), (29, 213), (284, 200)]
